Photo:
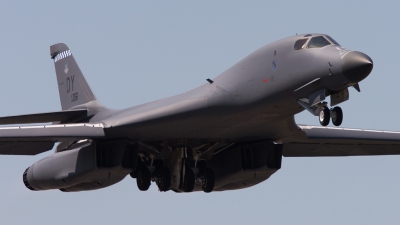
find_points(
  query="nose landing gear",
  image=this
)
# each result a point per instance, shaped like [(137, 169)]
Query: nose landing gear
[(336, 114), (324, 116), (316, 105)]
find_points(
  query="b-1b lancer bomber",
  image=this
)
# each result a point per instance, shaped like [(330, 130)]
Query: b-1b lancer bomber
[(229, 133)]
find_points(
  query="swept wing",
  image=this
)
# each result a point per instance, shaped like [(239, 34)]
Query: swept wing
[(32, 140), (335, 141)]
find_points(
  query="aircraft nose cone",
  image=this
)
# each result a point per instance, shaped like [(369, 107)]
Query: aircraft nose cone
[(356, 66)]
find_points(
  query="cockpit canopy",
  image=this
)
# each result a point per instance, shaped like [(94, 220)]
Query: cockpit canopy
[(310, 41)]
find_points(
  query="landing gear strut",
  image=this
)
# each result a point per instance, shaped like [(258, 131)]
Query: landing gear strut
[(324, 113), (188, 181), (179, 172)]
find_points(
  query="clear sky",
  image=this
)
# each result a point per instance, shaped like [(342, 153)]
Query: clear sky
[(132, 52)]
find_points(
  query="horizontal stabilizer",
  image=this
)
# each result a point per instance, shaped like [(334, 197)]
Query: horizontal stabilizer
[(45, 117)]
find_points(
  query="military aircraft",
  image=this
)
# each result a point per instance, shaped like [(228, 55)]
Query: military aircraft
[(229, 133)]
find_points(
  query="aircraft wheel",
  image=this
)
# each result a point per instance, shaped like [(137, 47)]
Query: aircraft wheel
[(208, 180), (164, 179), (189, 181), (134, 174), (337, 116), (324, 116), (143, 179)]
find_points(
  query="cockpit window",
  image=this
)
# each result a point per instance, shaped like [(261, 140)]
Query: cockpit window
[(300, 44), (332, 40), (318, 42)]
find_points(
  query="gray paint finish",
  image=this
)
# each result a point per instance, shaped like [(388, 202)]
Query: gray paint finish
[(252, 102), (255, 99), (55, 133)]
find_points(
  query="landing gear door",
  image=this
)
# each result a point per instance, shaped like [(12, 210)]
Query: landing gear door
[(339, 97), (316, 97)]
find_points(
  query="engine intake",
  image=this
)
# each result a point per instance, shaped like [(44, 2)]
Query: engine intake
[(25, 179)]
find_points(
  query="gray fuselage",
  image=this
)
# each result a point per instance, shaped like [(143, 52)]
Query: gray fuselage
[(254, 99)]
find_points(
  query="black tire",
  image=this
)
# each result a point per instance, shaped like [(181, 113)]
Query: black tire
[(324, 116), (134, 174), (188, 182), (208, 181), (164, 179), (143, 179), (337, 116)]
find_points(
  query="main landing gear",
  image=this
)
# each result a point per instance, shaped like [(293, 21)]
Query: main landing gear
[(189, 180), (205, 179), (336, 114), (143, 178), (162, 177)]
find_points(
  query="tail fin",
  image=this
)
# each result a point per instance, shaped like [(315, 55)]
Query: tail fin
[(72, 85)]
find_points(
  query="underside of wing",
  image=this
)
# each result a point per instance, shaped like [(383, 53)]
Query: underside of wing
[(32, 140), (330, 141)]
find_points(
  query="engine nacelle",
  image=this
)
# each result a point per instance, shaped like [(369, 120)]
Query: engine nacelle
[(85, 167), (242, 166)]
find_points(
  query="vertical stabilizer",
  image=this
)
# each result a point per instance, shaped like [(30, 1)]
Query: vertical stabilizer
[(72, 86)]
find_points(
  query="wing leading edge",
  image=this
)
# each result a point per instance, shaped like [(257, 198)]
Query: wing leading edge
[(331, 141)]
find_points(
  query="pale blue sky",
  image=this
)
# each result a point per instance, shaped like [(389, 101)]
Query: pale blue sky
[(132, 52)]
